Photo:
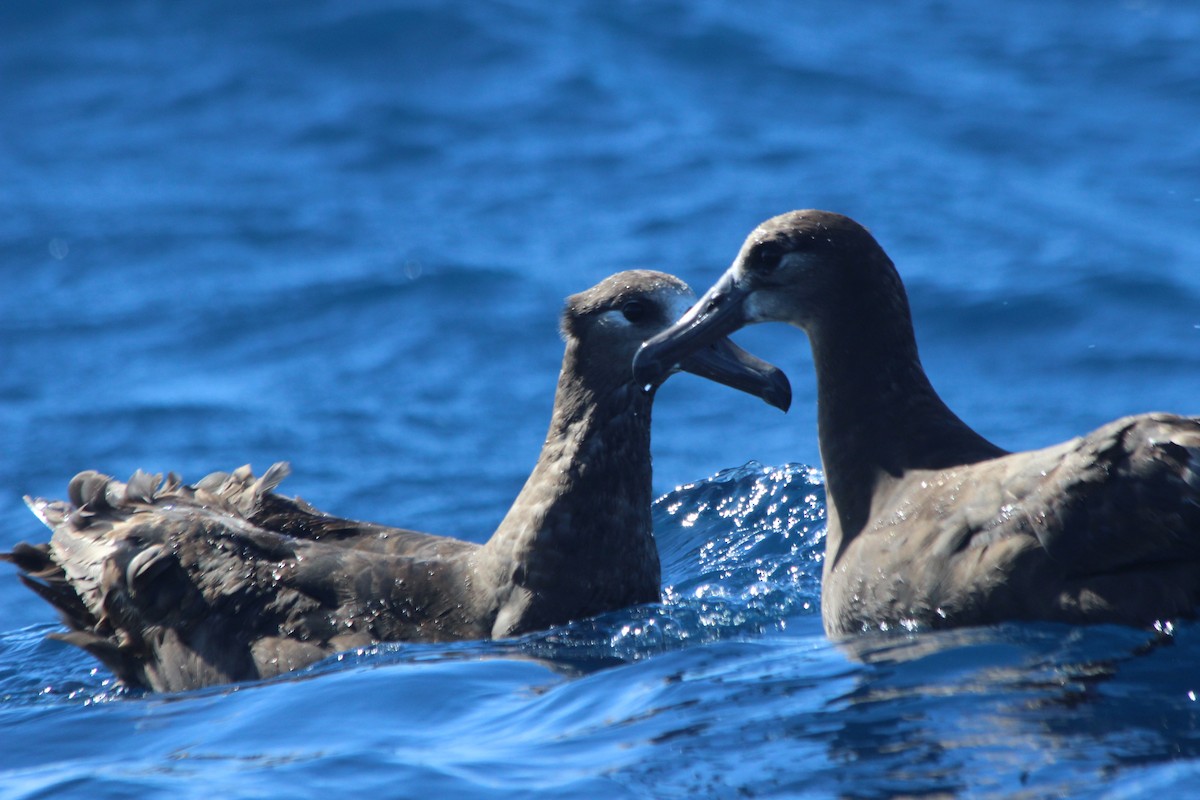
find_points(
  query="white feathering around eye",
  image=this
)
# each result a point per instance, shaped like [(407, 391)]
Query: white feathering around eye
[(674, 301), (794, 260), (614, 318)]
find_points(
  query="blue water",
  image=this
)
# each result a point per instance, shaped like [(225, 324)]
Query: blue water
[(340, 234)]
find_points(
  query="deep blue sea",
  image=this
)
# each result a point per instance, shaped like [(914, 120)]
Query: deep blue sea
[(340, 234)]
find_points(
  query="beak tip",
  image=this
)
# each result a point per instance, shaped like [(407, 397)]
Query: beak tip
[(647, 370), (780, 394)]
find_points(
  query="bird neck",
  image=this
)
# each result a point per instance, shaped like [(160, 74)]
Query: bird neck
[(878, 416), (581, 527)]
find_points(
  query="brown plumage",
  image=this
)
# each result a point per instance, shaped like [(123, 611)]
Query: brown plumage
[(929, 523), (175, 587)]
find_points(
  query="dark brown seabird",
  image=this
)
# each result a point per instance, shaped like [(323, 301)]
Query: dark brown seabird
[(930, 524), (175, 587)]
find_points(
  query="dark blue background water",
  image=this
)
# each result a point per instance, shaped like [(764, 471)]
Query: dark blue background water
[(340, 234)]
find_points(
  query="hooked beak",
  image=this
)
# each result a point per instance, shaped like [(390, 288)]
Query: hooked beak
[(724, 362), (720, 312)]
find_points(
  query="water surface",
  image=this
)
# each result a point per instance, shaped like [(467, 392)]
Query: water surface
[(341, 236)]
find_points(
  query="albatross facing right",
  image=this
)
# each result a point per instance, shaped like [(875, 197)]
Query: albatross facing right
[(929, 523), (175, 587)]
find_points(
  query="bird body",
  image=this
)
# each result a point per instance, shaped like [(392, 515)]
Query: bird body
[(929, 523), (175, 587), (1103, 527)]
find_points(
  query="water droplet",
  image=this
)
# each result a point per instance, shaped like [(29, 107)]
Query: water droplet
[(59, 248)]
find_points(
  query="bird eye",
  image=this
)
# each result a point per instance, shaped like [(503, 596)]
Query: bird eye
[(635, 311), (766, 257)]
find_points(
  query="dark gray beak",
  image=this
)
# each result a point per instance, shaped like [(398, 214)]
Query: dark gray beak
[(724, 362), (720, 312)]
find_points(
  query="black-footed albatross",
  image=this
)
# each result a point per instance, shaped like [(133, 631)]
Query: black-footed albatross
[(175, 587), (930, 524)]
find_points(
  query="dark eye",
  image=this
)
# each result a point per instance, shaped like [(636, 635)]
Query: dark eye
[(635, 311), (766, 257)]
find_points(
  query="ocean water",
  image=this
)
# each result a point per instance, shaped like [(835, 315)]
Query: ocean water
[(340, 235)]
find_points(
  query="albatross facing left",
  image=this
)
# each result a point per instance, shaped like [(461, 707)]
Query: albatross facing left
[(928, 522), (175, 587)]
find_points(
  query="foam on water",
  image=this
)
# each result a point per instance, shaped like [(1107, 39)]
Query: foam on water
[(727, 687)]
